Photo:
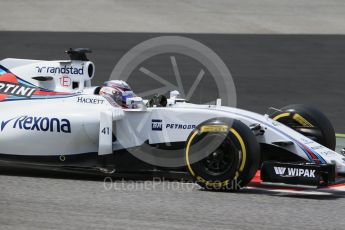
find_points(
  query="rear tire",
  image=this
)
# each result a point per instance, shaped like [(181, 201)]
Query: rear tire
[(308, 121), (222, 154)]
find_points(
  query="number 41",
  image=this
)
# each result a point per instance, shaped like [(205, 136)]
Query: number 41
[(106, 130)]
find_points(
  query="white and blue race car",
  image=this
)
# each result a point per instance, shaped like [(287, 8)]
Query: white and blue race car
[(51, 116)]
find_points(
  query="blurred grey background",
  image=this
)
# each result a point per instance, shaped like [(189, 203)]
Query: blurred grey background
[(177, 16)]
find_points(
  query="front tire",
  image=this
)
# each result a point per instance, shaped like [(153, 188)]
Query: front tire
[(308, 121), (222, 154)]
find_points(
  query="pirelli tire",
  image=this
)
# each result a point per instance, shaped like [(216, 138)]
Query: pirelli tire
[(232, 145), (308, 121)]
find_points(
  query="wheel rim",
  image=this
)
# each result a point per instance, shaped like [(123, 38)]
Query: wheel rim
[(221, 160)]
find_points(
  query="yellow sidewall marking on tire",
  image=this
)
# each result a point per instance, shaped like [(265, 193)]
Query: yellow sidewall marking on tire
[(236, 175), (214, 128), (218, 183), (281, 116), (243, 147), (187, 153), (301, 120), (199, 178)]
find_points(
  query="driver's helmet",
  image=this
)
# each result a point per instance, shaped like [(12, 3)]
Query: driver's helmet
[(119, 91)]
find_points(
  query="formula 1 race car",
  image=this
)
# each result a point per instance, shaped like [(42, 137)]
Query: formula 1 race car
[(51, 116)]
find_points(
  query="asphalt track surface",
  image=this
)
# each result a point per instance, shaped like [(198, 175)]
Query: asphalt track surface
[(267, 70)]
